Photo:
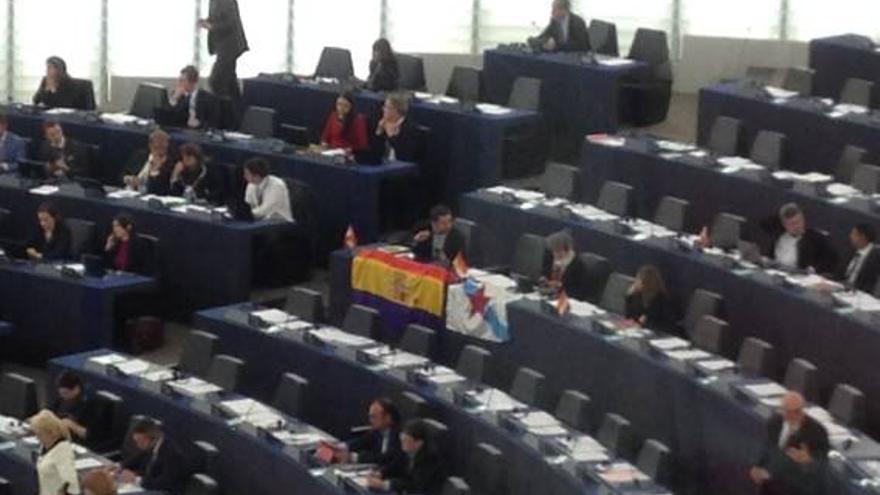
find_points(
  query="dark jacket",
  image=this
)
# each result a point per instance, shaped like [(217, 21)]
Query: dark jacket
[(78, 410), (787, 476), (59, 248), (208, 183), (578, 36), (226, 37), (368, 447), (424, 474), (137, 256), (167, 471), (66, 96), (160, 184), (453, 245), (208, 111), (14, 150), (384, 75), (868, 273), (814, 250), (76, 156), (659, 313), (407, 144), (574, 279)]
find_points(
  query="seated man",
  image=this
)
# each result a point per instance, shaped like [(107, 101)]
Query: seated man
[(379, 445), (63, 156), (564, 272), (72, 405), (566, 32), (266, 194), (438, 241), (194, 180), (863, 269), (796, 246), (422, 470), (397, 134), (794, 458), (159, 464), (192, 106), (12, 147)]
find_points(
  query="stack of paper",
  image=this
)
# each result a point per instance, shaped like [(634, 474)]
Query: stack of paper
[(46, 190), (769, 389), (335, 337), (133, 367), (497, 401), (669, 344), (587, 449), (120, 118), (779, 93), (838, 189), (123, 194), (615, 62), (490, 109), (194, 387), (87, 463), (861, 301), (108, 359), (688, 354), (272, 316)]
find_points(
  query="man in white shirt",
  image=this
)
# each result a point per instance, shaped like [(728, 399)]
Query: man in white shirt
[(863, 269), (266, 194), (799, 247)]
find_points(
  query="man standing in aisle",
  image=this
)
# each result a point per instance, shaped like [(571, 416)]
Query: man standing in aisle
[(226, 40)]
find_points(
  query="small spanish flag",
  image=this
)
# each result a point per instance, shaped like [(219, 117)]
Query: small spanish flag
[(460, 266), (351, 240), (562, 304)]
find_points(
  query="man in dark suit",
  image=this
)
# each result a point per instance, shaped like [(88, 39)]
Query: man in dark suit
[(793, 461), (421, 470), (226, 40), (796, 246), (158, 464), (379, 445), (12, 147), (192, 106), (863, 268), (63, 156), (194, 180), (562, 271), (437, 240), (567, 32)]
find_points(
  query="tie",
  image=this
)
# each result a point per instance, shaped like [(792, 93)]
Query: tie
[(851, 269)]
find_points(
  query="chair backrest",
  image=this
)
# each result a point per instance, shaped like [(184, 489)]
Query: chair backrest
[(866, 178), (464, 84), (799, 79), (4, 218), (615, 197), (757, 358), (18, 396), (655, 460), (473, 363), (198, 351), (202, 484), (725, 135), (574, 411), (258, 122), (412, 72), (561, 181), (335, 62), (305, 303), (85, 94), (82, 236), (411, 406), (485, 470), (226, 372), (616, 435), (206, 461), (438, 435), (303, 204), (290, 395), (529, 255), (596, 270), (603, 37), (711, 334), (453, 486), (847, 405), (470, 234), (107, 425), (857, 92), (528, 387), (768, 149), (614, 294), (6, 488), (803, 376), (525, 94), (419, 339), (703, 302), (362, 320), (727, 230), (650, 46), (850, 158), (147, 99), (672, 213), (152, 256)]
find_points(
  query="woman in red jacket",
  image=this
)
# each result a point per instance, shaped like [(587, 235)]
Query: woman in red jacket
[(345, 127)]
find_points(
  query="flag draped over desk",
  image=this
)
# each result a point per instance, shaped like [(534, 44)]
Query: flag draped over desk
[(478, 308), (403, 290)]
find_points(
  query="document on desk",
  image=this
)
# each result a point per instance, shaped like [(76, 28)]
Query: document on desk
[(615, 62), (272, 316), (336, 337), (492, 109), (108, 359), (766, 389), (688, 354), (194, 387), (622, 472), (403, 360), (497, 401), (123, 194), (46, 190), (87, 463), (242, 407), (133, 367), (670, 343), (538, 419)]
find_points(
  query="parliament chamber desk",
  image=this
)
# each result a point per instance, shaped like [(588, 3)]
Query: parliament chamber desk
[(843, 345), (55, 314), (838, 58), (639, 164), (465, 148), (246, 464), (202, 262), (340, 390), (577, 97), (814, 139), (344, 194)]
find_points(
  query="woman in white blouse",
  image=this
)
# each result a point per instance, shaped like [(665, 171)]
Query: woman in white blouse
[(56, 470)]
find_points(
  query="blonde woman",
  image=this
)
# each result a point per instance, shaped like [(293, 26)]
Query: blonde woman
[(56, 471)]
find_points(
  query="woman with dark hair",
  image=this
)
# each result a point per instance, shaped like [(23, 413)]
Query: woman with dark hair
[(421, 470), (124, 250), (52, 239), (56, 88), (647, 301), (384, 72), (345, 127), (193, 180)]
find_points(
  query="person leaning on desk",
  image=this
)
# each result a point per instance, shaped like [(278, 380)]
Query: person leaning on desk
[(51, 241), (57, 88), (437, 239), (421, 470), (566, 32), (194, 180)]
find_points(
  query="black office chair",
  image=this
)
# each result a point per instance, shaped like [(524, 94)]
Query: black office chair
[(362, 320), (306, 304), (528, 387), (473, 363), (226, 372), (82, 236), (799, 79), (470, 233), (258, 122), (335, 63), (202, 484), (850, 158), (18, 396), (303, 242), (524, 148), (561, 181), (107, 426), (465, 84), (525, 94), (866, 178), (616, 198), (438, 434), (726, 231), (603, 37), (649, 96), (411, 406), (419, 339), (85, 94), (757, 358), (453, 486), (147, 99), (768, 149), (655, 460), (6, 488), (702, 303), (152, 265), (725, 136), (847, 405), (614, 295), (411, 71), (616, 435), (857, 92), (712, 335), (596, 270), (198, 351), (575, 411), (206, 458), (486, 470), (803, 376), (672, 213), (529, 255), (290, 395)]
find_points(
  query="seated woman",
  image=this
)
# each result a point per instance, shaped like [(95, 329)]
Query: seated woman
[(192, 179), (345, 127), (52, 239), (124, 251), (384, 73), (56, 471), (153, 175), (398, 135), (647, 301), (57, 88)]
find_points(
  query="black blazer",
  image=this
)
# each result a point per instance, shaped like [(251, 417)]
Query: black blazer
[(208, 111), (425, 474), (66, 96), (869, 272), (368, 447), (573, 280), (76, 156), (453, 245), (814, 250), (786, 475), (59, 248), (226, 37), (660, 313), (78, 410), (384, 75), (160, 184), (210, 186), (578, 36), (169, 471), (407, 143), (137, 255)]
